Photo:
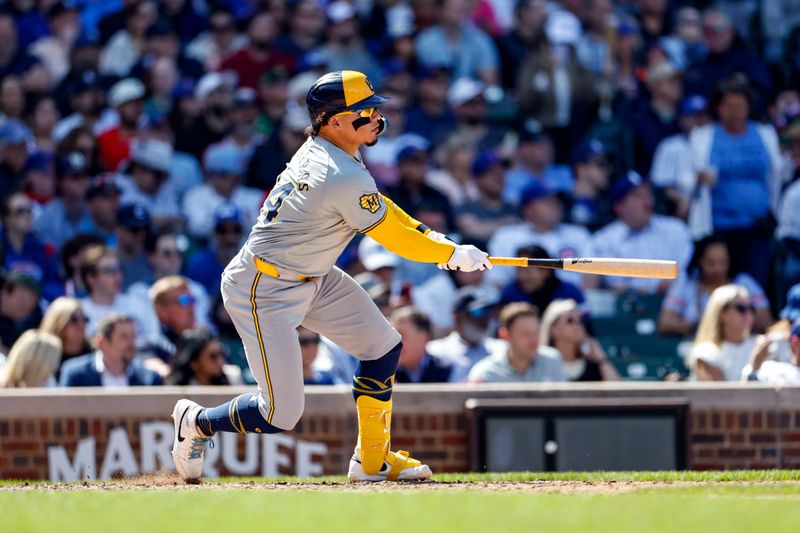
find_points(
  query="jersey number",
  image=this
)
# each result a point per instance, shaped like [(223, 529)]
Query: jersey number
[(275, 199)]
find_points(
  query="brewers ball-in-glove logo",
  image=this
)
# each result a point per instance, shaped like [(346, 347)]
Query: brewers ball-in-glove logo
[(370, 202)]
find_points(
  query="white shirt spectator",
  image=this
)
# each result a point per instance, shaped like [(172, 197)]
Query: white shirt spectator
[(687, 298), (730, 358), (462, 356), (547, 366), (107, 379), (789, 213), (143, 315), (566, 240), (164, 203), (662, 238), (119, 55), (200, 222), (667, 170), (109, 118)]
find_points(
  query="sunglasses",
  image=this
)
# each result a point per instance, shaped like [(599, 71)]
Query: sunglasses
[(17, 211), (741, 308), (366, 113), (185, 300), (306, 341), (234, 230), (77, 318)]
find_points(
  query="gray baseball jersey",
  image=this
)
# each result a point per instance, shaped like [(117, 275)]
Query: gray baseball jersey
[(317, 205)]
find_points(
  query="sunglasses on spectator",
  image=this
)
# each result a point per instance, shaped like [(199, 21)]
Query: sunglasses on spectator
[(306, 341), (366, 113), (77, 318), (228, 230), (741, 308), (110, 270), (185, 300), (22, 210)]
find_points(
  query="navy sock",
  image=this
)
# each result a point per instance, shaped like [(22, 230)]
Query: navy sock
[(240, 415), (376, 378)]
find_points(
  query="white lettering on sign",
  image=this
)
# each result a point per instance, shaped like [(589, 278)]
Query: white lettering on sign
[(267, 455)]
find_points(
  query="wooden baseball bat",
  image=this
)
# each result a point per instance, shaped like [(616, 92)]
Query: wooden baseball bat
[(603, 266)]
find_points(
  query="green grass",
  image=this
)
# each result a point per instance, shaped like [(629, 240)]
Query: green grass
[(718, 504)]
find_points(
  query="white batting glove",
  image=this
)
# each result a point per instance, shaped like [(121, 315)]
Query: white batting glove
[(467, 258), (439, 237)]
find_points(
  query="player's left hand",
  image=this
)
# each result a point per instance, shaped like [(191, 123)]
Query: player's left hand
[(467, 258)]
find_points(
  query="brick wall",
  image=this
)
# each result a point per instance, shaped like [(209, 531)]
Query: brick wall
[(730, 426)]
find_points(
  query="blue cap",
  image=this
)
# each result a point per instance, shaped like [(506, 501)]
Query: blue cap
[(133, 216), (71, 164), (627, 28), (588, 151), (694, 104), (486, 159), (227, 212), (625, 185), (38, 161), (223, 158), (792, 310), (184, 88), (536, 190), (411, 151), (13, 132)]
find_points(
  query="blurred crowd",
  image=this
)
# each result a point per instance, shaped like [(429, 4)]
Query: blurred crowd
[(139, 138)]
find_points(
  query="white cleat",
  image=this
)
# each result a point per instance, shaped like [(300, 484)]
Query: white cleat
[(189, 444), (397, 466)]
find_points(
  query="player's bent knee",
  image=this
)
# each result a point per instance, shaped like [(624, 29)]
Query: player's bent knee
[(287, 413)]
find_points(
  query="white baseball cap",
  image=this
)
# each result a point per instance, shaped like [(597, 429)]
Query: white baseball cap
[(212, 81), (374, 256), (152, 153), (463, 90), (125, 91), (562, 27)]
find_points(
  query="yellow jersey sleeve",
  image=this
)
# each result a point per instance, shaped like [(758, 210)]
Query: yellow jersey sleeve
[(403, 236)]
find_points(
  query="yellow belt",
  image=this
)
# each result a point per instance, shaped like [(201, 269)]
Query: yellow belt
[(272, 271)]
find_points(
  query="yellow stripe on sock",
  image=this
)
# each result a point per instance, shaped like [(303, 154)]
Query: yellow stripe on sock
[(261, 346)]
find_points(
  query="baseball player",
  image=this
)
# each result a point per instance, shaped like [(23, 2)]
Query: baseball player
[(284, 276)]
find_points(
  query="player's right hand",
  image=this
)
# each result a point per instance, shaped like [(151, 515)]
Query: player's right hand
[(467, 258)]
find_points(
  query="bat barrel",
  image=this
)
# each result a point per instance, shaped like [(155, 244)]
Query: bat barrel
[(603, 266)]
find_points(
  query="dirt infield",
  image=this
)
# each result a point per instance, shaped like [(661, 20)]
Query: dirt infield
[(171, 481)]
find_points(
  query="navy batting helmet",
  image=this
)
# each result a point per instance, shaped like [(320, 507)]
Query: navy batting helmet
[(343, 90)]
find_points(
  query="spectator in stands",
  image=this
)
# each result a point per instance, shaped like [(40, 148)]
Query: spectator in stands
[(66, 320), (70, 258), (206, 266), (309, 350), (344, 48), (143, 180), (670, 172), (112, 365), (165, 258), (454, 177), (273, 97), (525, 38), (53, 50), (726, 56), (217, 43), (271, 156), (14, 137), (685, 46), (19, 309), (538, 286), (640, 233), (224, 167), (412, 191), (723, 344), (200, 360), (86, 102), (22, 251), (709, 268), (470, 340), (41, 116), (656, 119), (478, 220), (126, 46), (431, 117), (101, 274), (174, 306), (214, 95), (763, 370), (127, 98), (588, 204), (307, 25), (542, 213), (39, 181), (15, 59), (738, 166), (65, 217), (584, 359), (32, 361), (253, 60), (458, 44), (467, 99), (243, 137), (81, 139), (102, 199), (416, 364), (521, 358), (133, 226), (12, 98), (534, 161)]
